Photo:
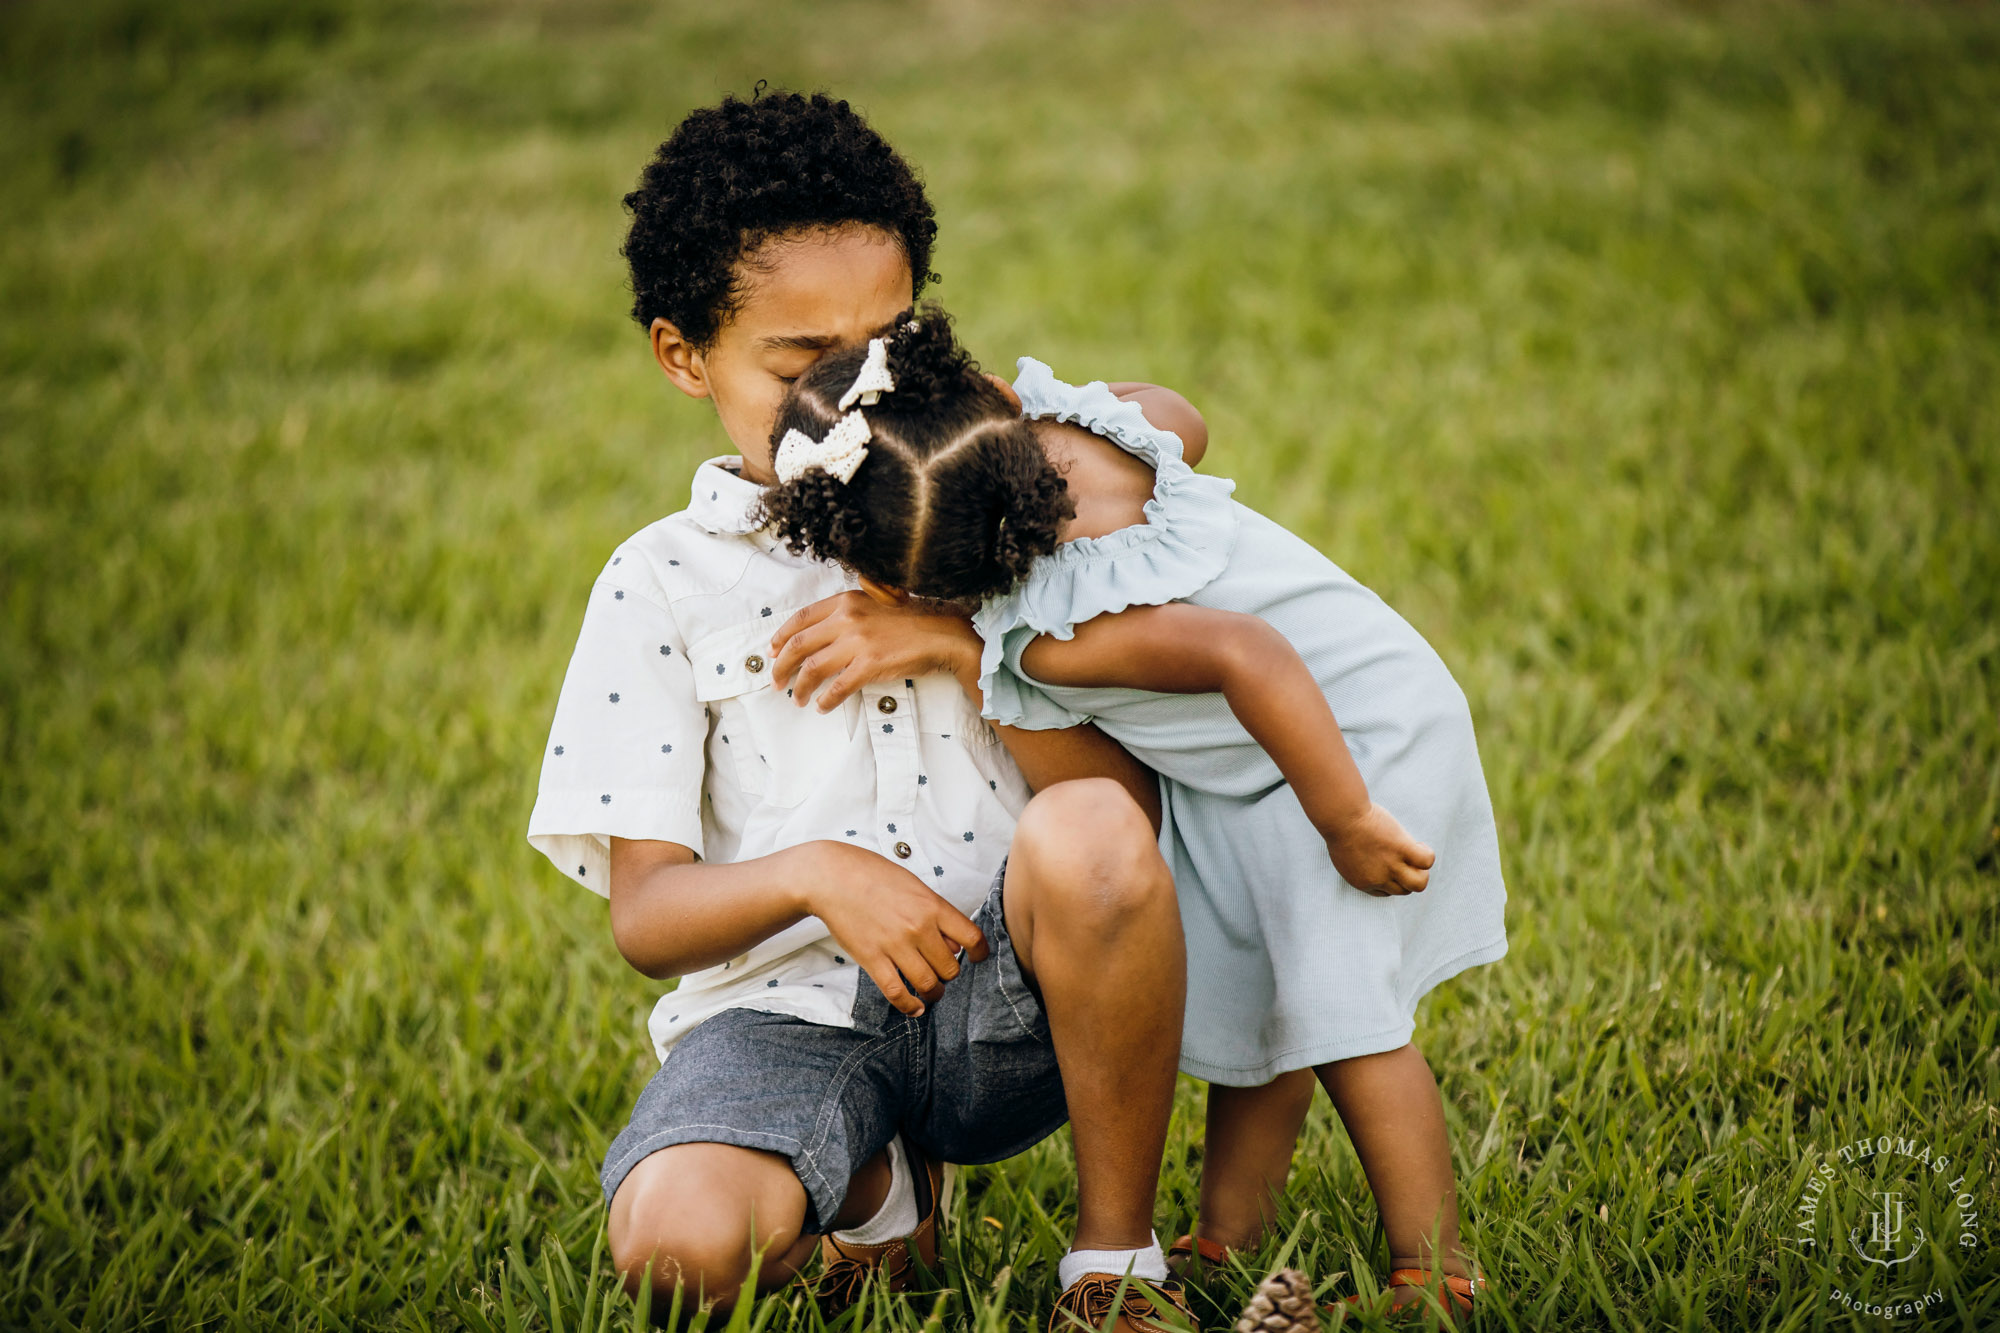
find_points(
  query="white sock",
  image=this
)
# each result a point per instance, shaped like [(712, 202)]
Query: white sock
[(897, 1217), (1148, 1263)]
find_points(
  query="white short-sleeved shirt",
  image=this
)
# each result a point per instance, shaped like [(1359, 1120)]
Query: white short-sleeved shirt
[(667, 728)]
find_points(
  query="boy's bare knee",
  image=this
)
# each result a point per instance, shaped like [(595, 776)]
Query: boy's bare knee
[(654, 1227), (684, 1216), (1090, 852), (1085, 821)]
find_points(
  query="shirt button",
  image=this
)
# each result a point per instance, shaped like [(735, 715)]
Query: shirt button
[(903, 850), (886, 704), (753, 664)]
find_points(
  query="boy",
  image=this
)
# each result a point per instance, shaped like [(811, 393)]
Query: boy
[(891, 955)]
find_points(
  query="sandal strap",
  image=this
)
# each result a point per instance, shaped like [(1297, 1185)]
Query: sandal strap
[(1464, 1287), (1211, 1251)]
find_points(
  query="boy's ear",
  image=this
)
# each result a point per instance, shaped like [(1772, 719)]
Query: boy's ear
[(678, 359), (883, 593)]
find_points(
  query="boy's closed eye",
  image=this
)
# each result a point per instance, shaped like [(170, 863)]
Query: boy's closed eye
[(788, 365)]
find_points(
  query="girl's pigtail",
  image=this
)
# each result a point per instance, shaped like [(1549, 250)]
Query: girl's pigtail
[(1032, 504), (929, 365), (816, 514)]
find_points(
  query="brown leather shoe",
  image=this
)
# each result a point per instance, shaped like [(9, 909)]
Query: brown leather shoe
[(845, 1269), (1148, 1307)]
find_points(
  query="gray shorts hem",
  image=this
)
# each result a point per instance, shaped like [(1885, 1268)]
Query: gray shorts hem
[(818, 1188)]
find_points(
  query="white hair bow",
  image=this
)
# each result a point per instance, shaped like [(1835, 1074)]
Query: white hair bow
[(842, 451), (873, 380), (845, 445)]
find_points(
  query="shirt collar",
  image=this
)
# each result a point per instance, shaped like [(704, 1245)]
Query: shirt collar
[(722, 500)]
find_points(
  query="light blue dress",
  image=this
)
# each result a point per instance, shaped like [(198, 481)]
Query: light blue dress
[(1288, 965)]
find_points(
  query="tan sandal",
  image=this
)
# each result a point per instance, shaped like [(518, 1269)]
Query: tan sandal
[(1195, 1252), (1456, 1294)]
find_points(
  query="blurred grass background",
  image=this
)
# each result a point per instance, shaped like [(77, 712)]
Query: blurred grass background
[(1647, 357)]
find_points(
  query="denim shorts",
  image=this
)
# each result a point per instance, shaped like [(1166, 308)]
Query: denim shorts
[(972, 1080)]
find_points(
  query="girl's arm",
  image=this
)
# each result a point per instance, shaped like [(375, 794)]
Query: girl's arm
[(835, 646), (1182, 649), (1163, 409), (1167, 410)]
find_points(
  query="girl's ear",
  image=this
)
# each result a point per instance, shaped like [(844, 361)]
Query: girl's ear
[(883, 593)]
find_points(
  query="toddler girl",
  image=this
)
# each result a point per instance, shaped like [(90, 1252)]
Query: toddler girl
[(1330, 873)]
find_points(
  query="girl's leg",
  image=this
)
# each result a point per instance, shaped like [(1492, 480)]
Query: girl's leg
[(1250, 1136), (1395, 1118)]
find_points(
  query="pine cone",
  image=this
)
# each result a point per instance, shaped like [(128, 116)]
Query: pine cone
[(1283, 1304)]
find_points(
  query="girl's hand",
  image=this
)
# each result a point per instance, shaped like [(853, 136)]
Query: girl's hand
[(840, 643), (1376, 855)]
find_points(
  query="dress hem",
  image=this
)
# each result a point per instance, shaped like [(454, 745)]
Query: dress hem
[(1344, 1048)]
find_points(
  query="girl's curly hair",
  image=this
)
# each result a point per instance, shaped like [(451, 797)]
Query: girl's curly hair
[(956, 499)]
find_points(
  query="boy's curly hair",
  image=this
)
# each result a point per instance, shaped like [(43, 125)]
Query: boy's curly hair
[(732, 176), (956, 499)]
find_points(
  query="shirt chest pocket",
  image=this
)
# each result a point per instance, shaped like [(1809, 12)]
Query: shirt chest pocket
[(779, 752), (944, 711)]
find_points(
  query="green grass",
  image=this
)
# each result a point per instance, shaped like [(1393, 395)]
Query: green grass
[(1647, 358)]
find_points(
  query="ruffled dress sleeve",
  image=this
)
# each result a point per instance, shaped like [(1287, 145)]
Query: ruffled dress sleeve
[(1185, 542)]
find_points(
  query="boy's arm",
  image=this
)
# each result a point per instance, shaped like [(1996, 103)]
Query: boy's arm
[(1167, 410), (672, 914), (1183, 649)]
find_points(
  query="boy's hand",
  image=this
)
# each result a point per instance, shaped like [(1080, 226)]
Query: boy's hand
[(842, 642), (1376, 855), (905, 937)]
